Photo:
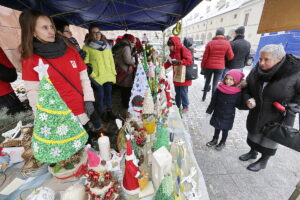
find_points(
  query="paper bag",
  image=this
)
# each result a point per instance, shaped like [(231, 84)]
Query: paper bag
[(179, 73)]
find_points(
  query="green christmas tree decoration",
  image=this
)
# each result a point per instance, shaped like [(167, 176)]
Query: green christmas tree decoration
[(162, 138), (166, 188), (57, 132)]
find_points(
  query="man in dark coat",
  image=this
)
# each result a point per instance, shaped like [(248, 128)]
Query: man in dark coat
[(241, 50), (276, 78)]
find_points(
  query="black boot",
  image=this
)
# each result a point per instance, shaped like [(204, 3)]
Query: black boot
[(213, 142), (220, 146), (204, 96), (252, 154), (258, 165)]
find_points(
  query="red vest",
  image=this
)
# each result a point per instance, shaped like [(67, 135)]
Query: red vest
[(5, 87), (70, 65)]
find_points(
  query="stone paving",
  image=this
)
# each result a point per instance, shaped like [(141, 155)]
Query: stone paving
[(225, 175)]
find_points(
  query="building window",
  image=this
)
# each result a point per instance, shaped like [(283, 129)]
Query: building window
[(203, 24), (246, 19), (210, 22), (234, 16), (221, 19)]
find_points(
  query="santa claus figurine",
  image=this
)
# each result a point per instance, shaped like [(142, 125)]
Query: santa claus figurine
[(132, 172)]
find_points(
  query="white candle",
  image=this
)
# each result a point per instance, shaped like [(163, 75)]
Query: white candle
[(104, 147)]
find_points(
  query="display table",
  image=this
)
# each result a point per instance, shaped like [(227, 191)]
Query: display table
[(191, 183)]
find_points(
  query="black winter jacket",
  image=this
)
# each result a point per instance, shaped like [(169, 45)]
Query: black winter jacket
[(284, 87), (223, 107), (241, 50)]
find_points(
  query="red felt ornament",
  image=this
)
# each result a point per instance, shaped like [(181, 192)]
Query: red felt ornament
[(107, 176)]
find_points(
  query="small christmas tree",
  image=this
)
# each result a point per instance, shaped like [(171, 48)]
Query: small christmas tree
[(57, 132), (166, 188), (162, 138), (148, 106), (139, 88)]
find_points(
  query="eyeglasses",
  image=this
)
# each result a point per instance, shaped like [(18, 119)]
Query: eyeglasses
[(96, 33)]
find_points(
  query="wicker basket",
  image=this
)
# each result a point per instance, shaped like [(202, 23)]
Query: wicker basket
[(70, 175)]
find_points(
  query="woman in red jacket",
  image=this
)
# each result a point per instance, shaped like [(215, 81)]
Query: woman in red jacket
[(213, 61), (67, 71), (8, 98), (180, 56)]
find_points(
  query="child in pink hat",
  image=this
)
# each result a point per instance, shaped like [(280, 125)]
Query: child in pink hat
[(225, 99)]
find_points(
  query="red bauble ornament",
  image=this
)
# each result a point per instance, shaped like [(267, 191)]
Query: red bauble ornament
[(91, 172), (92, 194), (112, 189), (98, 198), (87, 188), (95, 178), (108, 195), (107, 176)]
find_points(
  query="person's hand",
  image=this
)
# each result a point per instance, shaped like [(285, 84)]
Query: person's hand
[(89, 108), (250, 105), (176, 62)]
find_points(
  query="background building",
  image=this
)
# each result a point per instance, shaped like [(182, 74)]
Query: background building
[(202, 22)]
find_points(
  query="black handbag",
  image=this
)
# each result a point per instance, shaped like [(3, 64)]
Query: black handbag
[(282, 133), (191, 72)]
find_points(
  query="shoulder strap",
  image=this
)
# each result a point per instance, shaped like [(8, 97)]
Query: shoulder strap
[(64, 77)]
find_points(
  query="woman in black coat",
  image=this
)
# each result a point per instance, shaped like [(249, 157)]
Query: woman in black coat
[(225, 99), (275, 78)]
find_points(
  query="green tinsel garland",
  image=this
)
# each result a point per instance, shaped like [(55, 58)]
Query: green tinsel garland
[(146, 68), (135, 148), (162, 138), (166, 189)]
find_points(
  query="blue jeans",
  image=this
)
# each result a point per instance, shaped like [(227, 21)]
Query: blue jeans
[(182, 97), (208, 75), (103, 97)]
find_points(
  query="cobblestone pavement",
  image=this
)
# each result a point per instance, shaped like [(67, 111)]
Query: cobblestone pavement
[(225, 175)]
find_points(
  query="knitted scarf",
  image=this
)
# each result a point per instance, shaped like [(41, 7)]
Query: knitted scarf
[(95, 44), (50, 49), (226, 89), (267, 75)]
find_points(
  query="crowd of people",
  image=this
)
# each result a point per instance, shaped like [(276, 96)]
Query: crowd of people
[(84, 77)]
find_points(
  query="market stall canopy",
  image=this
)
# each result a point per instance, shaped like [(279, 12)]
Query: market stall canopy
[(112, 14), (279, 15)]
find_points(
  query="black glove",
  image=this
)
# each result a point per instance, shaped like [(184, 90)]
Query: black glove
[(176, 62), (89, 68), (89, 108)]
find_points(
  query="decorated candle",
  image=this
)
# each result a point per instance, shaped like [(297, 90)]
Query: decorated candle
[(104, 147)]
